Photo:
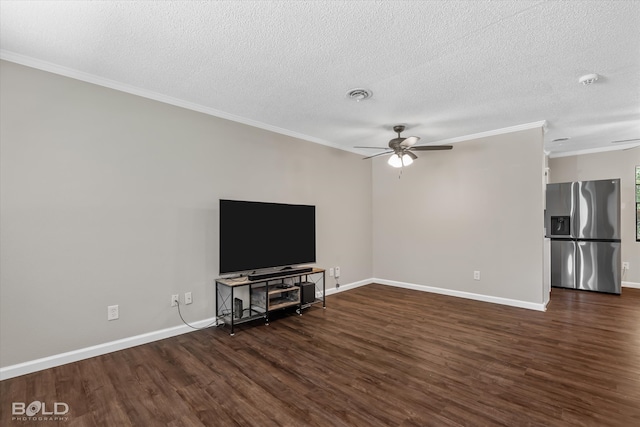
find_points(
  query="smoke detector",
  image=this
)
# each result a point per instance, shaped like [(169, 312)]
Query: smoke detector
[(589, 79), (359, 94)]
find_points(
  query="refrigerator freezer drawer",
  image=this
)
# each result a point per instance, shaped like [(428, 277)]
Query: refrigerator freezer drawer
[(563, 256), (598, 266)]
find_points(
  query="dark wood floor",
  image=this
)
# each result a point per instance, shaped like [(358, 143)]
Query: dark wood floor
[(377, 356)]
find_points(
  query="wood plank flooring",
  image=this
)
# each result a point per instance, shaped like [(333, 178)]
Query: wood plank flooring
[(377, 356)]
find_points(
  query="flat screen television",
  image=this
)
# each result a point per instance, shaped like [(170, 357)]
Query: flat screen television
[(258, 235)]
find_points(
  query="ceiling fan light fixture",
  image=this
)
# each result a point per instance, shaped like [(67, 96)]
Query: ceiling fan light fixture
[(395, 161), (407, 159)]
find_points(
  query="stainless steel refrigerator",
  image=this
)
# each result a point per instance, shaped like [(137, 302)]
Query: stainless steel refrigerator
[(582, 219)]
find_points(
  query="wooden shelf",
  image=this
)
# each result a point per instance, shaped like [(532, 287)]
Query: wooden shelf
[(283, 297), (275, 291), (278, 303)]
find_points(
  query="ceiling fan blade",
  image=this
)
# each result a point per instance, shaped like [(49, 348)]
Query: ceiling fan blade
[(410, 154), (379, 154), (409, 141), (377, 148), (431, 147)]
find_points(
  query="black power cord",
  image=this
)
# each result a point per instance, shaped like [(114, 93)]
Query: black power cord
[(215, 322)]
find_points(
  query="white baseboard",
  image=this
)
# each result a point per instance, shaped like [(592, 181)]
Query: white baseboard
[(348, 286), (100, 349), (467, 295), (631, 285), (96, 350)]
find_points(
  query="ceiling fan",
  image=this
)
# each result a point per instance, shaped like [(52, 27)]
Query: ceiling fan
[(402, 149)]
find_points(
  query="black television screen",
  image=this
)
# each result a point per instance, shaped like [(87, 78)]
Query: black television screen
[(256, 235)]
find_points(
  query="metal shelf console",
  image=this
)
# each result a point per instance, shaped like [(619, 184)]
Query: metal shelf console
[(277, 294)]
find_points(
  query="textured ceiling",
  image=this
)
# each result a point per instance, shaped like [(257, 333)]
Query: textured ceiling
[(446, 69)]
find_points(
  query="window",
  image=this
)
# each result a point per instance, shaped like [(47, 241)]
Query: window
[(637, 203)]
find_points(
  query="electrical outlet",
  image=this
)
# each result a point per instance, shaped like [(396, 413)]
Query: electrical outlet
[(113, 312), (331, 273), (175, 299), (476, 275), (187, 298), (625, 265), (337, 271)]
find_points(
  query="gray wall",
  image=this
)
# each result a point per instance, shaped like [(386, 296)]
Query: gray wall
[(108, 198), (611, 164), (477, 207)]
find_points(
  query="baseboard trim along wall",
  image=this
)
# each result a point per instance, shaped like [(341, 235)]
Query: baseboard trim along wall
[(467, 295), (97, 350), (348, 286), (100, 349), (631, 285), (109, 347)]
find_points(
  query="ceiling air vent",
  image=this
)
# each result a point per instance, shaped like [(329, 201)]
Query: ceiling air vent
[(359, 94)]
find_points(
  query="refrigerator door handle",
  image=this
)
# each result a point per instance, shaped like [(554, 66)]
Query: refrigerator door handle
[(575, 213)]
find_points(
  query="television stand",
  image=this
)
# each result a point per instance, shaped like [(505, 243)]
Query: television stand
[(261, 296)]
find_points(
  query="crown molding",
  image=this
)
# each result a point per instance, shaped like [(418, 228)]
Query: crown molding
[(615, 147), (525, 126), (133, 90)]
